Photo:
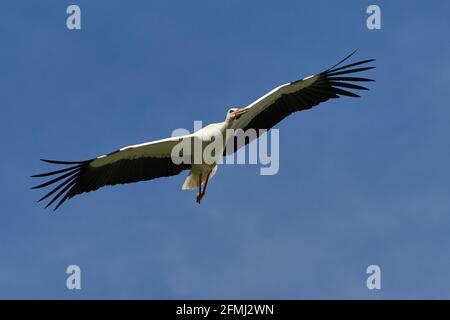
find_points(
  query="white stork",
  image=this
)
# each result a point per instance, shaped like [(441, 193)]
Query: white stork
[(153, 159)]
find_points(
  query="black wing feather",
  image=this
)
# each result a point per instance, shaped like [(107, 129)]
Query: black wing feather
[(329, 85), (85, 178)]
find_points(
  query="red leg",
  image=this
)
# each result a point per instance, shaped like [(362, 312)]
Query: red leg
[(206, 183), (199, 194), (203, 191)]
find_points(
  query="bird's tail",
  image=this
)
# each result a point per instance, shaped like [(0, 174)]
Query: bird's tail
[(192, 180)]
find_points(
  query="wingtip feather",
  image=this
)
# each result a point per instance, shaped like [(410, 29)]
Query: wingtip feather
[(347, 57)]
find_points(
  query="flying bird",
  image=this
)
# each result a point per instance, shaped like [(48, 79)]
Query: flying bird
[(154, 159)]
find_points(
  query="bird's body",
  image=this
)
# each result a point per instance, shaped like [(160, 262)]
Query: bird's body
[(201, 150), (200, 170)]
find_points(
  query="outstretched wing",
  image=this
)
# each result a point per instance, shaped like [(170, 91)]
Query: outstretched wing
[(299, 95), (130, 164)]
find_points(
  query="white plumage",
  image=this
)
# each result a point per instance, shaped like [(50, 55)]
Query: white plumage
[(155, 159)]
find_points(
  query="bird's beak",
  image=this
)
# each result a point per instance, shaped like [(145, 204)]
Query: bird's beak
[(238, 113)]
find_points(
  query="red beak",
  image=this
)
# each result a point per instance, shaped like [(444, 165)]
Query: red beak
[(238, 113)]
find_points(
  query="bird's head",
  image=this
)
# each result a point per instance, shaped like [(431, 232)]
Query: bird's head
[(234, 114)]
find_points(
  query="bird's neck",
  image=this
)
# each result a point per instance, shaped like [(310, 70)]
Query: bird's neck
[(227, 124)]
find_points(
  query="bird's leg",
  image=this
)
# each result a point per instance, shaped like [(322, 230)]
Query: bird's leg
[(206, 183), (199, 193), (203, 191)]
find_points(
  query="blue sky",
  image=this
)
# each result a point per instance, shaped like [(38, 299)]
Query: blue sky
[(361, 182)]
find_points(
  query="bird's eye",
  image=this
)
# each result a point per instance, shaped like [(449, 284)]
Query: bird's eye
[(231, 110)]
